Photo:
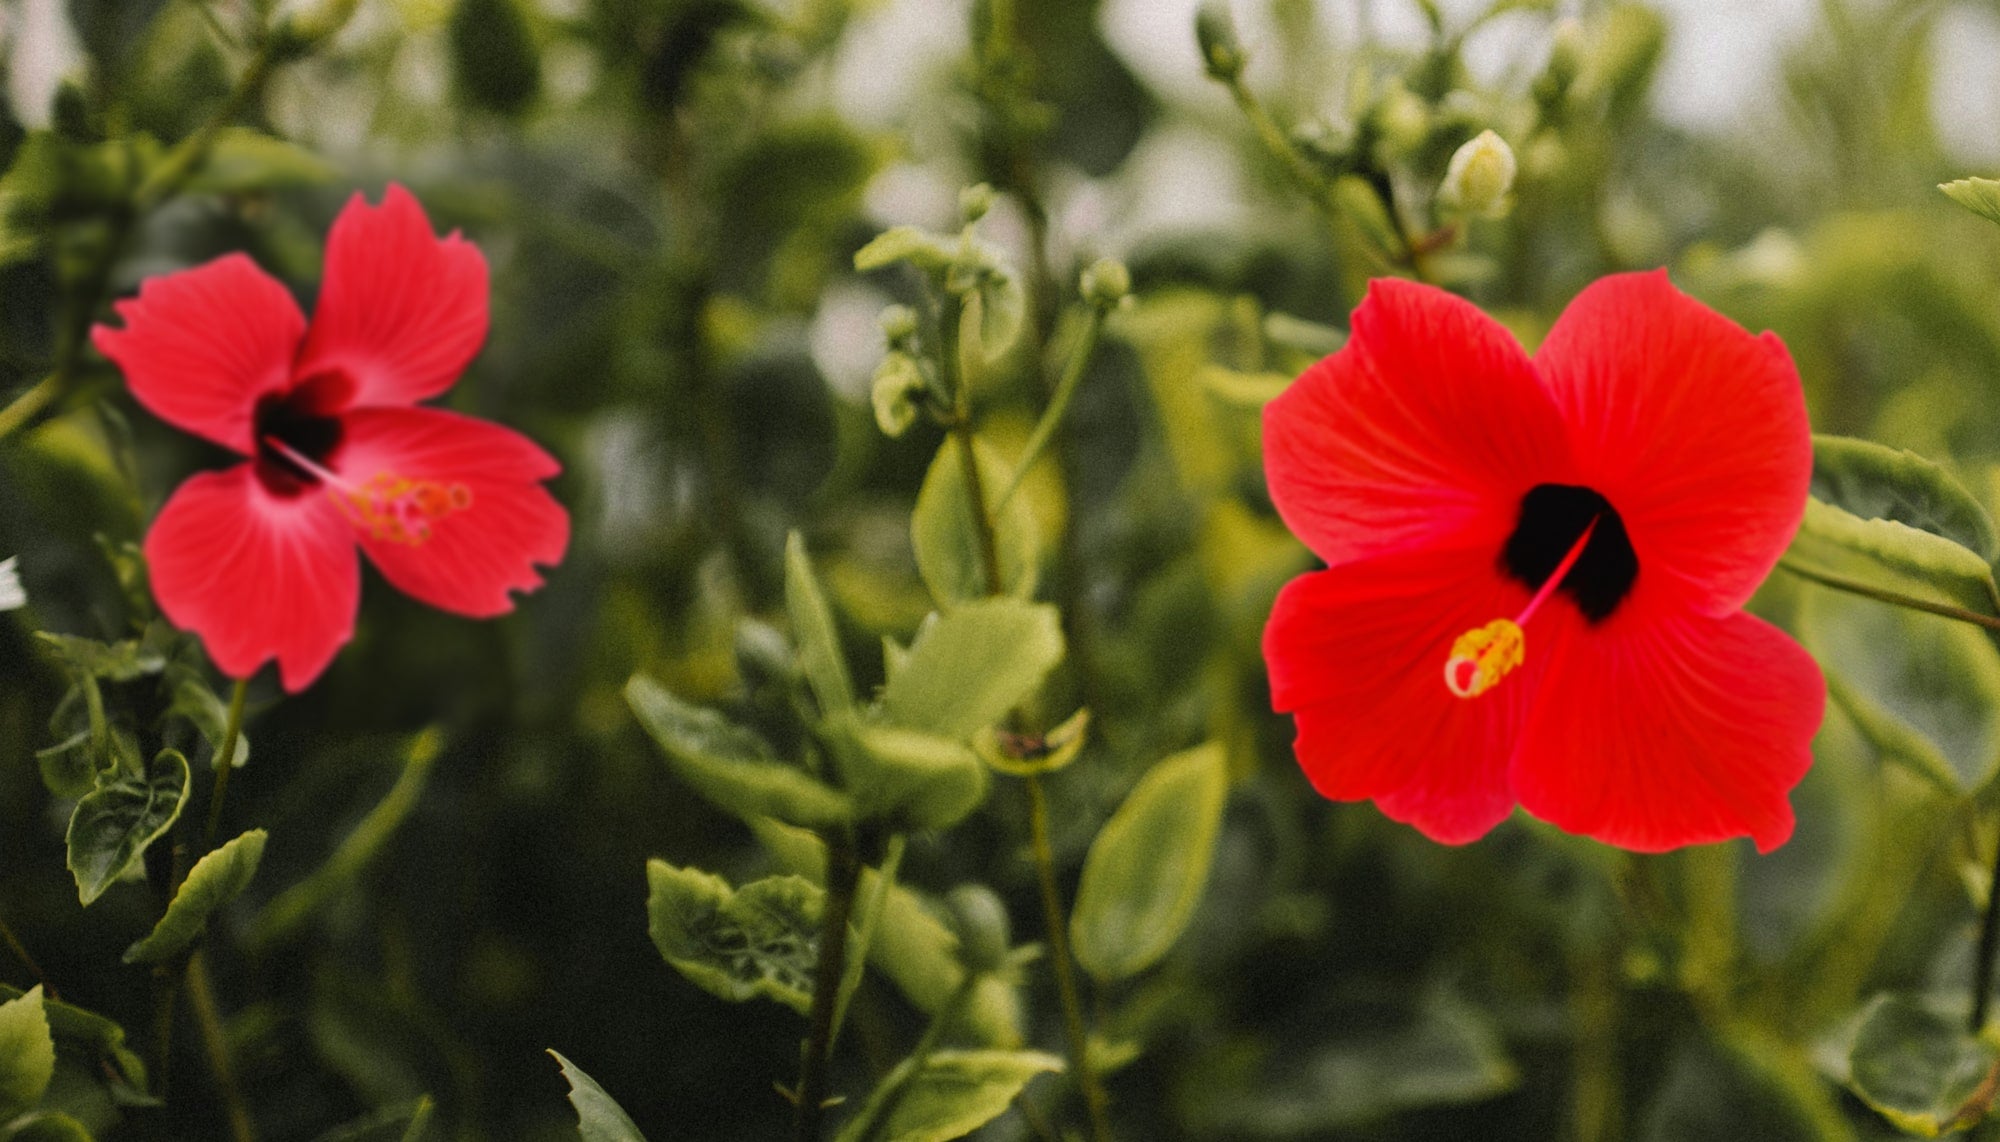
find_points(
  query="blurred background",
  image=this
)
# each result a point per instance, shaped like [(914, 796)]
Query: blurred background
[(670, 193)]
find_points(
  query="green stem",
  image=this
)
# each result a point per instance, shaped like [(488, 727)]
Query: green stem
[(843, 876), (868, 920), (180, 164), (225, 762), (1053, 914), (20, 951), (29, 405), (1989, 943), (1045, 429), (875, 1116), (1856, 587), (951, 312), (201, 997)]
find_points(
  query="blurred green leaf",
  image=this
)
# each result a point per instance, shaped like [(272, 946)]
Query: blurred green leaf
[(971, 665), (737, 944), (493, 56), (908, 778), (1890, 554), (1872, 482), (955, 1094), (920, 248), (1003, 306), (1741, 1088), (407, 1122), (51, 1127), (113, 824), (729, 764), (1979, 195), (241, 160), (1922, 1071), (103, 1038), (599, 1118), (112, 661), (27, 1053), (813, 626), (194, 699), (1146, 870), (214, 881), (946, 535)]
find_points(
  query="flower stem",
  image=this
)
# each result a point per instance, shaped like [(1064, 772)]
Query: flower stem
[(875, 1117), (1894, 599), (201, 997), (225, 761), (1989, 944), (843, 876), (950, 313), (1053, 914)]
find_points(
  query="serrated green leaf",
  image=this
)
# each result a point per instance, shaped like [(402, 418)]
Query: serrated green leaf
[(599, 1118), (955, 1094), (27, 1053), (818, 638), (1870, 481), (113, 824), (1146, 870), (214, 881), (1979, 195), (758, 940), (102, 1037), (971, 665), (242, 159), (730, 765), (946, 535), (1917, 1068), (907, 778), (920, 248)]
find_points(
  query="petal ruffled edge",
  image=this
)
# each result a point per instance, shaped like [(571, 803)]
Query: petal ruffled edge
[(200, 346), (401, 311), (1427, 427)]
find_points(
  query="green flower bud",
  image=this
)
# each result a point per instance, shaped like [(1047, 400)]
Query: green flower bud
[(974, 201), (897, 378), (1221, 51), (979, 921), (899, 324), (1401, 121), (306, 28), (1106, 283), (1480, 177)]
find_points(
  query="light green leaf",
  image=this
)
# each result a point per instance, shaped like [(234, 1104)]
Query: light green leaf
[(955, 1094), (908, 778), (599, 1118), (813, 626), (27, 1053), (242, 159), (1892, 555), (1870, 481), (113, 824), (1979, 195), (1003, 305), (946, 535), (103, 1038), (920, 248), (728, 764), (51, 1127), (1919, 1069), (112, 661), (1146, 870), (215, 880), (970, 666), (738, 944)]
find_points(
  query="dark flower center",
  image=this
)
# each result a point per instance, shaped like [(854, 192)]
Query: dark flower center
[(1552, 517), (305, 423)]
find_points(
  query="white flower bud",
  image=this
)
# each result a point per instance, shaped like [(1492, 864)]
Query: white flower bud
[(1480, 177), (12, 597)]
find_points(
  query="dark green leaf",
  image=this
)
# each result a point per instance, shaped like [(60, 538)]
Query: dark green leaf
[(1870, 481), (728, 764), (599, 1118), (970, 666), (493, 55), (215, 880), (113, 824), (759, 940), (111, 661), (1920, 1069)]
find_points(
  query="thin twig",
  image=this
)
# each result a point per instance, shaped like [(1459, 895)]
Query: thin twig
[(1053, 914), (201, 997)]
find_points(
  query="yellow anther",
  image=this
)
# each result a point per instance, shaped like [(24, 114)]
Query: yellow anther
[(398, 510), (1481, 658)]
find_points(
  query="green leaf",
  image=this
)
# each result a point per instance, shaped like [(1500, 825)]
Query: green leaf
[(738, 944), (52, 1127), (195, 700), (403, 1122), (946, 535), (112, 661), (1003, 305), (1870, 481), (493, 55), (908, 778), (955, 1094), (1741, 1087), (970, 666), (1892, 555), (1979, 195), (599, 1118), (920, 248), (113, 824), (730, 765), (813, 626), (102, 1037), (27, 1053), (1919, 1069), (1146, 870), (215, 880), (241, 159)]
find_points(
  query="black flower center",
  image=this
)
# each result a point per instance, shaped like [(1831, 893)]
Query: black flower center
[(298, 425), (1553, 516)]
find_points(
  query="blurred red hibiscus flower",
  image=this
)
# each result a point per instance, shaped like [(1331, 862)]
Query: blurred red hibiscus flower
[(1536, 569), (259, 559)]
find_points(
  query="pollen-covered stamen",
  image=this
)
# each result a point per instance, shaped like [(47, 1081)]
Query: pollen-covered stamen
[(389, 507), (1480, 658)]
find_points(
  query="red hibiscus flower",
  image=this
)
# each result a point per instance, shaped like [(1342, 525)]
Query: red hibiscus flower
[(1537, 569), (259, 559)]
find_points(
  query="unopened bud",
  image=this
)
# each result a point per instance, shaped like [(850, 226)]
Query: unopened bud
[(897, 378), (979, 920), (899, 324), (1221, 51), (1401, 120), (974, 201), (1106, 282), (1480, 176)]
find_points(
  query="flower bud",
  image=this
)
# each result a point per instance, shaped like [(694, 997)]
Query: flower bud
[(1221, 51), (979, 920), (897, 378), (899, 324), (1401, 121), (1480, 176), (1106, 283), (12, 597), (974, 201)]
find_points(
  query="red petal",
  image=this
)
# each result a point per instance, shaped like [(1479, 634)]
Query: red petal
[(402, 311), (1358, 652), (200, 346), (1653, 735), (257, 576), (1429, 423), (474, 555), (1693, 429)]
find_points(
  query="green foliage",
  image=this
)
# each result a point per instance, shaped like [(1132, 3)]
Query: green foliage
[(908, 778), (1147, 868), (216, 879), (1979, 195), (731, 765), (954, 1094), (1871, 482), (818, 637), (1925, 1073), (27, 1053), (242, 161), (971, 665), (946, 534), (493, 56), (52, 1127), (599, 1118), (115, 822), (101, 1041), (758, 940)]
